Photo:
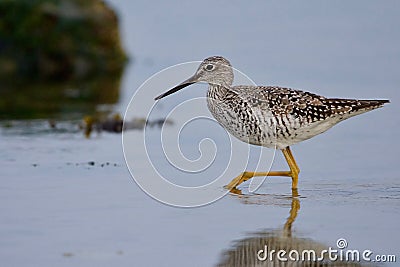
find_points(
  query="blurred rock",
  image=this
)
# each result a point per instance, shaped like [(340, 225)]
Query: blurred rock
[(59, 39), (21, 99)]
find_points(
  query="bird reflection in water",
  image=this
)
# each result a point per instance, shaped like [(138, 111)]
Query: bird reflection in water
[(251, 251)]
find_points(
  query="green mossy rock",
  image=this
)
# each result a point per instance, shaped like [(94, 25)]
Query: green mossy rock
[(59, 39)]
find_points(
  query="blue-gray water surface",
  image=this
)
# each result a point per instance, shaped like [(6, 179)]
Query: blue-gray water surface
[(70, 201)]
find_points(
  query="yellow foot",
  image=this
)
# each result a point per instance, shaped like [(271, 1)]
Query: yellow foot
[(236, 191)]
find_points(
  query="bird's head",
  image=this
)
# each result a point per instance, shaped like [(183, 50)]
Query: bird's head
[(214, 70)]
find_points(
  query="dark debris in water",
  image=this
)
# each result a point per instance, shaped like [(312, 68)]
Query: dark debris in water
[(115, 124), (93, 163), (96, 123)]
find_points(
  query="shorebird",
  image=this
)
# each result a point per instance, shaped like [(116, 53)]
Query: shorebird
[(269, 116)]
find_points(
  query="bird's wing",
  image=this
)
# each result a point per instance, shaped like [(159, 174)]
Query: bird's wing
[(310, 107)]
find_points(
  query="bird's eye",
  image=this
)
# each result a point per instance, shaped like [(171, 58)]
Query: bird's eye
[(209, 67)]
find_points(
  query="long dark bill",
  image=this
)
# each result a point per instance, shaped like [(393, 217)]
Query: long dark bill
[(184, 84)]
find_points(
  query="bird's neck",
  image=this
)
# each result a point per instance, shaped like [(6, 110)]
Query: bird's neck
[(217, 92)]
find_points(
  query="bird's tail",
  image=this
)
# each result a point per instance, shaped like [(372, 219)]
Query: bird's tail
[(346, 108), (367, 105), (353, 105)]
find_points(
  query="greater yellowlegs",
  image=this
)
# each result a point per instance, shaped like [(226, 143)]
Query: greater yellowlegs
[(269, 116)]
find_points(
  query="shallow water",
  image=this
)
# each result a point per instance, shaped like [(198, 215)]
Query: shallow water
[(67, 200), (70, 201)]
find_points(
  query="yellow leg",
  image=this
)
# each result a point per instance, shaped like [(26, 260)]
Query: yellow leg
[(294, 172), (294, 169), (291, 156), (247, 175)]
